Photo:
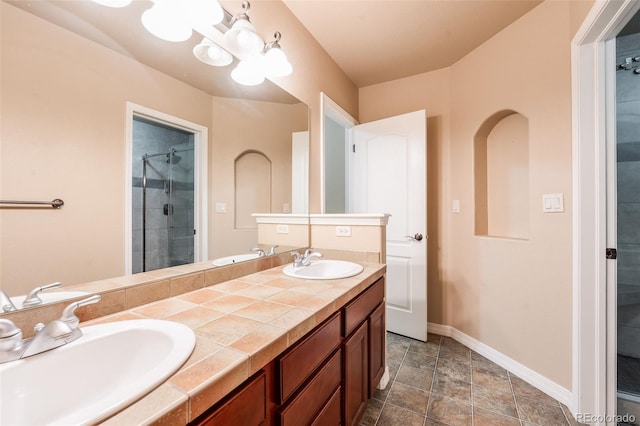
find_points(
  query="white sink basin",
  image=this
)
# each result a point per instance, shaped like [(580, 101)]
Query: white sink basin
[(50, 297), (86, 381), (324, 270), (222, 261)]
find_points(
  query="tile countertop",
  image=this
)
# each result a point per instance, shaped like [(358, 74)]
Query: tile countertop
[(240, 326)]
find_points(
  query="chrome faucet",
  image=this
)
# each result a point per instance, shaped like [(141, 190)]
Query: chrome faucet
[(33, 299), (258, 250), (6, 305), (304, 259), (272, 250), (57, 333)]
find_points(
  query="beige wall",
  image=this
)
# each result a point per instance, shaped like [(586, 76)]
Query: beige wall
[(514, 296), (238, 125), (63, 135)]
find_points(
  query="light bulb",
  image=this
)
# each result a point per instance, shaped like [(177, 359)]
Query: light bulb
[(204, 12), (276, 63), (242, 39), (248, 72), (168, 20), (212, 54)]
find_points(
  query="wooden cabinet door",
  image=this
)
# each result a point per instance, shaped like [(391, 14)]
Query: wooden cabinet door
[(356, 374), (377, 331), (246, 406)]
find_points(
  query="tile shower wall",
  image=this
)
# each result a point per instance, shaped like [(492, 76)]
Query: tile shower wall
[(169, 238), (628, 147)]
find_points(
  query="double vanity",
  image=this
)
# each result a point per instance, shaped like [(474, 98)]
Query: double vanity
[(269, 347)]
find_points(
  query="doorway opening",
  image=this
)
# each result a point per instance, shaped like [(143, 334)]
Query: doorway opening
[(166, 191), (336, 179), (627, 106), (162, 196)]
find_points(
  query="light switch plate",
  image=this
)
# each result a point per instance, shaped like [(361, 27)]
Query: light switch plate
[(455, 206), (221, 207), (553, 203), (285, 208), (343, 231), (282, 229)]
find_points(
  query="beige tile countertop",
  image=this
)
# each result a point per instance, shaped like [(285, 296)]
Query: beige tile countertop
[(240, 326)]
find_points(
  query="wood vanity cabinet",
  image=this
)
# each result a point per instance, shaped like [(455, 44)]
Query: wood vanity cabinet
[(363, 350), (324, 379)]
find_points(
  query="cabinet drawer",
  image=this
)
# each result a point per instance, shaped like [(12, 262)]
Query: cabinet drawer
[(304, 407), (359, 309), (331, 414), (297, 364), (245, 407)]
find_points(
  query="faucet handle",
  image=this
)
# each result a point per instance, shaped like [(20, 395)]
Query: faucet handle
[(68, 315), (258, 250), (10, 335), (6, 305), (33, 299)]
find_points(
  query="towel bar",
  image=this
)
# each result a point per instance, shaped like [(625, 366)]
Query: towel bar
[(56, 204)]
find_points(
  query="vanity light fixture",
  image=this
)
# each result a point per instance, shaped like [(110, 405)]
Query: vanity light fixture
[(275, 60), (175, 20), (242, 37)]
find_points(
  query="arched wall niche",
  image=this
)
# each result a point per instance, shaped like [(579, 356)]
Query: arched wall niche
[(501, 176), (252, 187)]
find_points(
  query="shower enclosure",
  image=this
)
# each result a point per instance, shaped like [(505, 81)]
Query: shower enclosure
[(628, 223), (163, 196)]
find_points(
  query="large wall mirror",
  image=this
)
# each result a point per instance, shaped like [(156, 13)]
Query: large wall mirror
[(70, 71)]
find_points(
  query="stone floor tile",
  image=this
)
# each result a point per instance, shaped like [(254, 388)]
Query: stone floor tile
[(540, 413), (482, 417), (494, 400), (408, 397), (451, 411), (394, 416)]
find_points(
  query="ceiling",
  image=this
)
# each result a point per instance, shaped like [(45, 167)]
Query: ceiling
[(374, 41)]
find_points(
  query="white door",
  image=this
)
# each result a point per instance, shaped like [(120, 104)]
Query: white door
[(389, 176)]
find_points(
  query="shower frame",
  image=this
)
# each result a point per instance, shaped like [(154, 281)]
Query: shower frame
[(200, 147), (172, 152)]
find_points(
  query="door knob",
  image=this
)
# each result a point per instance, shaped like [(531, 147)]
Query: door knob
[(416, 237)]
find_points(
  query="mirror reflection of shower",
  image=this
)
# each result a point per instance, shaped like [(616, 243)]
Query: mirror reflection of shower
[(163, 196)]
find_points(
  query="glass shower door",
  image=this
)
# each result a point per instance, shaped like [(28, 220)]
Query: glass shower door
[(181, 202)]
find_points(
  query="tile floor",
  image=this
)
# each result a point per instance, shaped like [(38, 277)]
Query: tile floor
[(442, 382)]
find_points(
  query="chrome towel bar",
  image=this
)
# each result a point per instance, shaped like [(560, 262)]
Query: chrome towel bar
[(56, 204)]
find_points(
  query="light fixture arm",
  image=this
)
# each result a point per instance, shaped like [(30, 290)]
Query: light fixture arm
[(275, 43), (244, 15)]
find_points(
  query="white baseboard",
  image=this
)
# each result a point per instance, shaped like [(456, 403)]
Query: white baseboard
[(384, 381), (536, 380)]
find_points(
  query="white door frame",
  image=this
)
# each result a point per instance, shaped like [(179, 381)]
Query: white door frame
[(593, 126), (201, 144)]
